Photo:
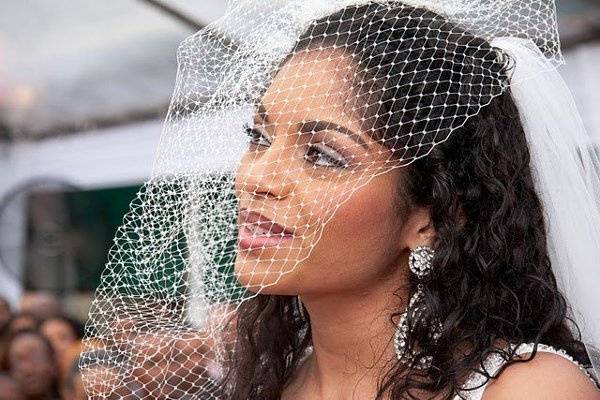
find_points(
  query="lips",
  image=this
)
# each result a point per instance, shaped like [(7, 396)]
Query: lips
[(258, 232), (260, 221)]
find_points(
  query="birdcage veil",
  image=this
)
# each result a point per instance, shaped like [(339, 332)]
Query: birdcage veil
[(187, 256)]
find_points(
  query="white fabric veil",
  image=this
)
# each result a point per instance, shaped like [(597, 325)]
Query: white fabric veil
[(566, 168)]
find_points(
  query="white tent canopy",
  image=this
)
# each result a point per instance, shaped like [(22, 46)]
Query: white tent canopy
[(65, 65)]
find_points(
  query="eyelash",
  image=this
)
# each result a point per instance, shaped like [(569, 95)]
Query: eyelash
[(334, 161)]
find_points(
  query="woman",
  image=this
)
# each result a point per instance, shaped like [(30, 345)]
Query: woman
[(30, 361), (391, 234), (64, 334)]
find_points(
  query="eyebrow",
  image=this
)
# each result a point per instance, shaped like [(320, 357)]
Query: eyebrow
[(318, 126)]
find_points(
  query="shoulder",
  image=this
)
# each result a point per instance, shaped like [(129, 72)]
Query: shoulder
[(547, 376)]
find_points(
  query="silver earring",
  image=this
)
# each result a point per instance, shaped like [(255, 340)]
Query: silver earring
[(420, 263)]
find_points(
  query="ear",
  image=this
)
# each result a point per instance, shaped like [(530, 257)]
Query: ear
[(418, 229)]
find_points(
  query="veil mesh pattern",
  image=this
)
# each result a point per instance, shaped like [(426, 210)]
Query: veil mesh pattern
[(249, 125)]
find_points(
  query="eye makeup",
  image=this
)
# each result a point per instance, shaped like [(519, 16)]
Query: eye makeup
[(319, 154)]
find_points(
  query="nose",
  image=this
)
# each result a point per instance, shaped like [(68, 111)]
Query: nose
[(266, 174)]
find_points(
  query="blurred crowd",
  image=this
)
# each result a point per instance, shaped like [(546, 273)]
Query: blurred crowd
[(39, 350)]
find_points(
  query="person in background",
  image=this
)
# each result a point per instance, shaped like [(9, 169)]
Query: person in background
[(151, 353), (5, 318), (30, 362), (21, 322), (5, 313), (9, 389), (72, 384), (63, 333), (65, 363), (42, 305), (104, 379)]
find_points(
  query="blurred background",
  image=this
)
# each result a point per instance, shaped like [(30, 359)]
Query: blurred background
[(84, 87)]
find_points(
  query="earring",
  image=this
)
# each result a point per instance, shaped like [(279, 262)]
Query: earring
[(420, 263)]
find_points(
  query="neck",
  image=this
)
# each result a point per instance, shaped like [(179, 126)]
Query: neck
[(352, 337)]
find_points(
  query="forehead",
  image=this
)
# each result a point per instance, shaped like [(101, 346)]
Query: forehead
[(310, 85), (26, 344), (55, 324)]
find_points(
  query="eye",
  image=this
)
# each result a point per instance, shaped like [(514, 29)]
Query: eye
[(317, 154), (255, 136), (324, 156)]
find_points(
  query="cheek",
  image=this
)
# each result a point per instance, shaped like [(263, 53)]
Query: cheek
[(358, 246), (359, 242), (353, 247)]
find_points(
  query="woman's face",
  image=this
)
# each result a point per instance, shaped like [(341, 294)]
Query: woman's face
[(60, 334), (312, 169), (31, 365)]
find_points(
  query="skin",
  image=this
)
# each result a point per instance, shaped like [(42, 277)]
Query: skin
[(32, 366), (60, 335), (548, 376), (42, 305), (77, 392), (345, 284), (9, 389), (4, 312), (22, 322), (324, 205), (350, 347)]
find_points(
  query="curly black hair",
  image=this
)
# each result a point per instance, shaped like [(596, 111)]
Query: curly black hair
[(492, 280)]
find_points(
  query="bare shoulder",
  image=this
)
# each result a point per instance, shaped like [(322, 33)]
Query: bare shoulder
[(547, 376)]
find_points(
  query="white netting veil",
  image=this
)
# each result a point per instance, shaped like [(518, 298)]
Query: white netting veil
[(282, 112)]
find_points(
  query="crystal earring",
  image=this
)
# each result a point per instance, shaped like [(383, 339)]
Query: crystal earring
[(420, 261), (420, 264)]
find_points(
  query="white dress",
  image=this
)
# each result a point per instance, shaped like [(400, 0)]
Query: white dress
[(495, 361)]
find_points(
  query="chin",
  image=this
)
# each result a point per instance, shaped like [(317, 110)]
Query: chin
[(263, 276)]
